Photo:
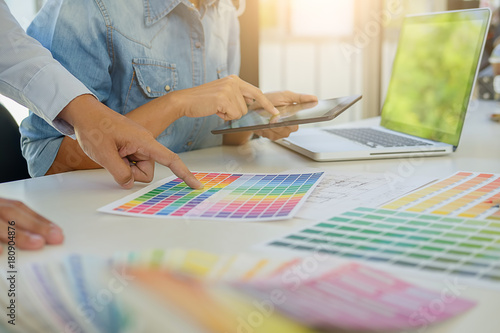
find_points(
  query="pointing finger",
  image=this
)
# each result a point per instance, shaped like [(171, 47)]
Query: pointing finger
[(171, 160)]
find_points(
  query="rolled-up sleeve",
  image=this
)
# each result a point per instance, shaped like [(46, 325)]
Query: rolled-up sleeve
[(30, 76)]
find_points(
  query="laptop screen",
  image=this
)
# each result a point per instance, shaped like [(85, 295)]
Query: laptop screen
[(433, 74)]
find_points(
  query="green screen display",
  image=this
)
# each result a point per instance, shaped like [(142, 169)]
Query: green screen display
[(433, 74)]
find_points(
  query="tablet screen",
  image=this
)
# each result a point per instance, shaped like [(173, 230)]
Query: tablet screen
[(293, 114)]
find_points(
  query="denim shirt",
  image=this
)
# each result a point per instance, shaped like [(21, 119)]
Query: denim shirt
[(128, 52)]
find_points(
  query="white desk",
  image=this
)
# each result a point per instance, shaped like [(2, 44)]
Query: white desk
[(71, 200)]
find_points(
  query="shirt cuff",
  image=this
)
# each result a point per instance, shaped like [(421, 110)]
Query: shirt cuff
[(50, 91)]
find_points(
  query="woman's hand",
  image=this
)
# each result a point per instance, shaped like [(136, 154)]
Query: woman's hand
[(277, 133), (228, 98), (279, 99), (286, 97)]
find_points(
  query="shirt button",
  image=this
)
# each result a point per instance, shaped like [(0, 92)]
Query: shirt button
[(167, 88), (148, 89), (197, 44)]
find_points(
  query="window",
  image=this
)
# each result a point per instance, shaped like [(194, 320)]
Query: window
[(334, 48), (300, 48)]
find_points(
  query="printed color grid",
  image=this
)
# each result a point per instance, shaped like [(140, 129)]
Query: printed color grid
[(224, 196), (450, 245), (465, 194)]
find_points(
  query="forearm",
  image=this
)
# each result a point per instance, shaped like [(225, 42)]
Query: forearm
[(158, 114), (71, 157)]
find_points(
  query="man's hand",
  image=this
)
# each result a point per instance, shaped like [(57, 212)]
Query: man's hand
[(32, 231), (127, 150)]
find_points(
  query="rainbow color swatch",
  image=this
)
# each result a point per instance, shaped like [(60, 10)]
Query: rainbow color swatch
[(468, 248), (225, 196), (464, 194)]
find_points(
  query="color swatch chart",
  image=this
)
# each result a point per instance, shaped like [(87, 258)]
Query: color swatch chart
[(225, 196), (465, 194), (449, 245)]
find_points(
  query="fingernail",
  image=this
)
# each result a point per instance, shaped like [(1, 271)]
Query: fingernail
[(55, 226), (36, 239), (276, 111), (55, 235), (129, 184), (274, 119)]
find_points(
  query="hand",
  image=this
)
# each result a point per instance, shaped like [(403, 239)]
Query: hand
[(32, 231), (124, 148), (277, 133), (228, 98), (285, 98), (279, 99)]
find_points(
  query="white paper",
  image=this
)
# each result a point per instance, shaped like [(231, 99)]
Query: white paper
[(339, 192)]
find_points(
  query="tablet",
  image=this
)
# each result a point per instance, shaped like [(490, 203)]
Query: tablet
[(294, 114)]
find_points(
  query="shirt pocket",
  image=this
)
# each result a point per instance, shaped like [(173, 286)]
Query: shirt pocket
[(151, 79), (155, 78), (222, 71)]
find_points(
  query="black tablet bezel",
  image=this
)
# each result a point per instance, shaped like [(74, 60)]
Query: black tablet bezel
[(342, 104)]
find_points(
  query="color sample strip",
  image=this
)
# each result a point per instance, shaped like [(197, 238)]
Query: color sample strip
[(224, 196), (203, 265), (465, 194), (354, 297), (483, 207), (427, 242), (412, 197)]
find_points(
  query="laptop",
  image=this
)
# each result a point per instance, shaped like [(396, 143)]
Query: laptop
[(432, 81)]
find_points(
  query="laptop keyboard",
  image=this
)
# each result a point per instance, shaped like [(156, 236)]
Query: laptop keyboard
[(373, 138)]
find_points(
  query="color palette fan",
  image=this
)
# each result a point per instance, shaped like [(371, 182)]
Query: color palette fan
[(467, 248), (464, 194), (225, 196), (194, 291), (204, 265)]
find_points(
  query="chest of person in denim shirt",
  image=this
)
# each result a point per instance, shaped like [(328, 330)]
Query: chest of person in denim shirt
[(128, 52)]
